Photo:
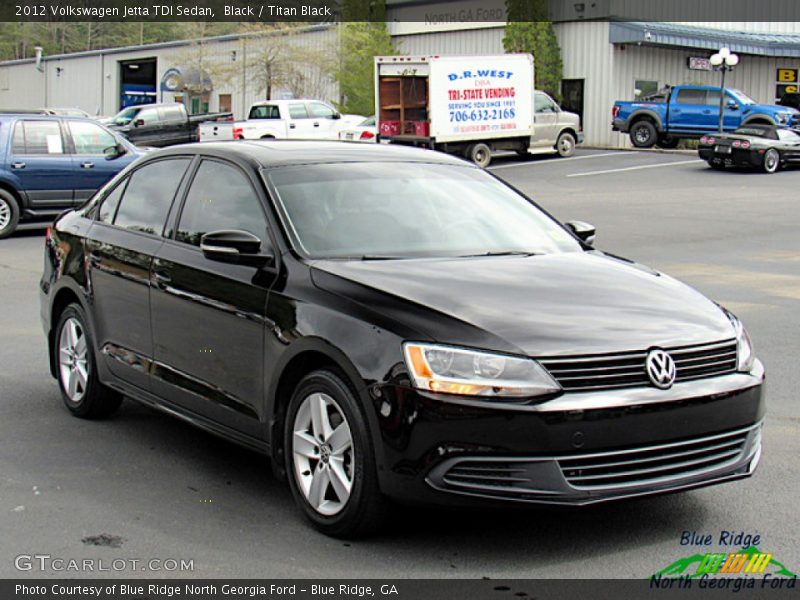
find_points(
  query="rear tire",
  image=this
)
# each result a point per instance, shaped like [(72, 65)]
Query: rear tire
[(716, 166), (565, 145), (9, 214), (643, 134), (76, 368), (480, 154), (771, 162), (333, 476)]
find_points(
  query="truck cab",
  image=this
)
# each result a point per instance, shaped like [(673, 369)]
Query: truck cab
[(283, 119)]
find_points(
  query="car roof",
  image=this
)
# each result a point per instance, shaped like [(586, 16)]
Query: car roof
[(283, 153)]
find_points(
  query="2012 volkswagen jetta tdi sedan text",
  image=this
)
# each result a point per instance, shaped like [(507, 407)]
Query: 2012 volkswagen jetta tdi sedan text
[(386, 322)]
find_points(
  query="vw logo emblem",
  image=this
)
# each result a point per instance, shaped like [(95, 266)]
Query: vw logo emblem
[(660, 368)]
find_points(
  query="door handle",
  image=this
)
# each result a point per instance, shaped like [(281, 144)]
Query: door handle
[(707, 112), (87, 165), (18, 165), (292, 126), (161, 276), (316, 124)]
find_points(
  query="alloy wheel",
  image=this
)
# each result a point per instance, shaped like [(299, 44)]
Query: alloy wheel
[(771, 160), (323, 454), (73, 360), (5, 214)]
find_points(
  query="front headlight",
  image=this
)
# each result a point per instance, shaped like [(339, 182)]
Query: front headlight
[(744, 347), (784, 117), (449, 370)]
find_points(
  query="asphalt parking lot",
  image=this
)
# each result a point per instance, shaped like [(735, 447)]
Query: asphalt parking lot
[(143, 485)]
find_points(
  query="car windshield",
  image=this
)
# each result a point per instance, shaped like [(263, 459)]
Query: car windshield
[(742, 97), (126, 115), (393, 210)]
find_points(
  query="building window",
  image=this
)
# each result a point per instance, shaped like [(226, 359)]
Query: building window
[(644, 87), (225, 103)]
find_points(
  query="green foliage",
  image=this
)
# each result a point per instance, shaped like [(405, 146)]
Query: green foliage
[(360, 43), (528, 30)]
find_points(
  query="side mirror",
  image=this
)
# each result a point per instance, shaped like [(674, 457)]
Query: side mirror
[(583, 231), (138, 122), (235, 246), (336, 115), (113, 152), (731, 104)]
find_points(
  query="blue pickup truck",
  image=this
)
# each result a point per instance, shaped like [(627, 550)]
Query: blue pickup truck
[(689, 111), (49, 164)]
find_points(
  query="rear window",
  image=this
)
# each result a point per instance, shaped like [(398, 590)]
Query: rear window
[(758, 132)]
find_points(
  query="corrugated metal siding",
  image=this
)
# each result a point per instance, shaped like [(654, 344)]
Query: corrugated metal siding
[(587, 55), (464, 43), (92, 82)]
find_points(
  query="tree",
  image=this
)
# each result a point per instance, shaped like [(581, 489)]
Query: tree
[(528, 30), (360, 43)]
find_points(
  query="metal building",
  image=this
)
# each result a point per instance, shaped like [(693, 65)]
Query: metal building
[(604, 60), (101, 82)]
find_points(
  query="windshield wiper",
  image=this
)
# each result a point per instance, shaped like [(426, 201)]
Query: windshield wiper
[(501, 253)]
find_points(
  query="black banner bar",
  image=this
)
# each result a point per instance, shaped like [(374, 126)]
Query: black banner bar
[(401, 589), (423, 11)]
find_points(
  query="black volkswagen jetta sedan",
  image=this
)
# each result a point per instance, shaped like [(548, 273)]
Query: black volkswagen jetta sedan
[(388, 322)]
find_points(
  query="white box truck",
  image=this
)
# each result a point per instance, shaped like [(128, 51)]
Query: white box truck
[(465, 105)]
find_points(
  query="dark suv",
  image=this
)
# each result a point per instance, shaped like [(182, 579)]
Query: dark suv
[(48, 164), (393, 322)]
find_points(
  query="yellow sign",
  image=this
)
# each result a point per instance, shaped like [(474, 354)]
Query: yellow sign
[(787, 75)]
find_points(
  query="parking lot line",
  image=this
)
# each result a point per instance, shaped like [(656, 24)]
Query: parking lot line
[(669, 164), (544, 162)]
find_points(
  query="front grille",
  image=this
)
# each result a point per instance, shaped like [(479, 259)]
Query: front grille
[(627, 369), (653, 464)]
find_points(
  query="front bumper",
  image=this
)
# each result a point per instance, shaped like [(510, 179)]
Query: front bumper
[(576, 449)]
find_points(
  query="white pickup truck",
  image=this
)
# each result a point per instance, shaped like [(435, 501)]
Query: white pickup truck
[(282, 119)]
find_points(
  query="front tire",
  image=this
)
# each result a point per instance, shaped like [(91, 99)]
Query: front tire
[(643, 134), (9, 214), (565, 145), (330, 461), (480, 154), (81, 391), (668, 142), (772, 161)]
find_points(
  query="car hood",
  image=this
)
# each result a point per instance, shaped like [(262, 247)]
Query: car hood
[(552, 305)]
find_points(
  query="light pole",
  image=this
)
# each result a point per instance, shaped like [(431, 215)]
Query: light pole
[(723, 61)]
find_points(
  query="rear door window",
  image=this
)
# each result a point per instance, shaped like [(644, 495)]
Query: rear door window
[(298, 111), (149, 194), (689, 96), (37, 137)]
